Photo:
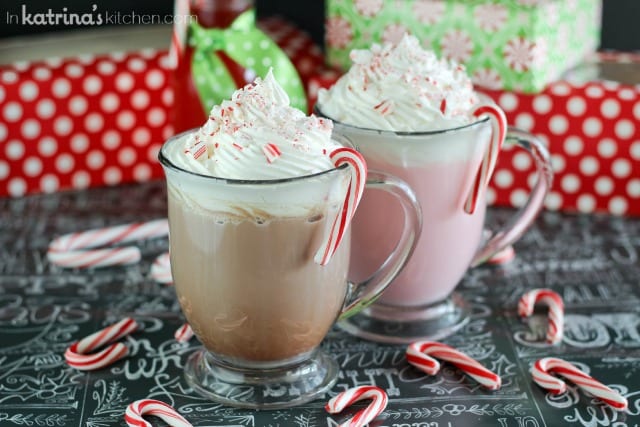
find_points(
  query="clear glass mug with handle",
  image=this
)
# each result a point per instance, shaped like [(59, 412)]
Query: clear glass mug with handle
[(261, 276), (449, 170)]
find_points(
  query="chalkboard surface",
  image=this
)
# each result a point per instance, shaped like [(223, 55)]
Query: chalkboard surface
[(592, 261)]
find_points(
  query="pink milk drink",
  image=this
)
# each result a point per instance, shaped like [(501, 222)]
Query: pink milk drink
[(418, 117)]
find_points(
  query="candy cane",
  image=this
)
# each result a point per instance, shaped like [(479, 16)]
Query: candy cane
[(364, 416), (421, 354), (161, 269), (134, 412), (540, 372), (555, 330), (184, 333), (77, 354), (498, 133), (74, 249), (504, 256), (358, 169)]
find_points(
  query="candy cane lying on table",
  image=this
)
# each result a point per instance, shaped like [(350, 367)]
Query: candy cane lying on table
[(352, 395), (358, 169), (79, 354), (555, 330), (134, 412), (184, 333), (421, 354), (541, 373), (161, 269), (504, 256), (76, 249), (498, 134)]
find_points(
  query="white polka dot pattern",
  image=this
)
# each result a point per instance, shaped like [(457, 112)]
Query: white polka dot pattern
[(593, 134), (96, 120)]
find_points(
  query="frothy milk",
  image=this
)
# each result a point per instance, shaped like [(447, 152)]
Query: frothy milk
[(245, 228)]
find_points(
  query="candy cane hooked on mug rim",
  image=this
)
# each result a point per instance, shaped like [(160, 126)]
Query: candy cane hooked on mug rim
[(541, 373), (422, 354), (79, 354), (75, 249), (365, 416), (358, 169), (134, 414), (555, 329), (498, 134)]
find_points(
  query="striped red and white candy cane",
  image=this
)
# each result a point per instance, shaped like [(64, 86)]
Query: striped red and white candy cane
[(184, 333), (135, 411), (423, 354), (555, 329), (541, 373), (358, 168), (181, 12), (161, 269), (498, 134), (76, 249), (363, 417), (504, 256), (79, 355)]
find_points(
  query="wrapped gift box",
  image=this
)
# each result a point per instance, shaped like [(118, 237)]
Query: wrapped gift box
[(504, 44), (591, 124), (97, 120)]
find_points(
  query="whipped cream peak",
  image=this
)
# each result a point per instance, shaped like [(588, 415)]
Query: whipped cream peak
[(257, 135), (400, 87)]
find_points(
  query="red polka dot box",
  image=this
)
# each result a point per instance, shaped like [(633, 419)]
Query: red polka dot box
[(592, 129), (98, 120)]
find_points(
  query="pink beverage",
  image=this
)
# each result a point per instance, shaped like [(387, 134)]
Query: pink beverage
[(418, 117), (441, 173)]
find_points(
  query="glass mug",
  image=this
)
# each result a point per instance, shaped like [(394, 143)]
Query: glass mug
[(242, 260), (440, 166)]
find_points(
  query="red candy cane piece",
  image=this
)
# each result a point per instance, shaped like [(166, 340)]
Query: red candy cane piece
[(358, 169), (161, 269), (498, 134), (541, 373), (421, 354), (78, 354), (365, 416), (555, 330), (504, 256), (74, 249), (184, 333), (135, 411)]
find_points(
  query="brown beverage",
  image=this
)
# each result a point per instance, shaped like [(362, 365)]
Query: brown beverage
[(250, 291)]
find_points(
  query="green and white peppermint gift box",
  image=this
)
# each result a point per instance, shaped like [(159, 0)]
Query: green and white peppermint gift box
[(519, 45)]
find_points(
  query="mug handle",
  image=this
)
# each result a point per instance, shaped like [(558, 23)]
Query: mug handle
[(360, 295), (518, 224)]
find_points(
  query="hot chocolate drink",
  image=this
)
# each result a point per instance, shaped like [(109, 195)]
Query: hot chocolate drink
[(281, 307), (242, 260), (260, 204)]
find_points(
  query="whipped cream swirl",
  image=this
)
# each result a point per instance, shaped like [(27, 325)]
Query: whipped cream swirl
[(400, 87), (257, 135)]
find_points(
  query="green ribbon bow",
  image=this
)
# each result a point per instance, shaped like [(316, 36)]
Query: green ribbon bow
[(244, 43)]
